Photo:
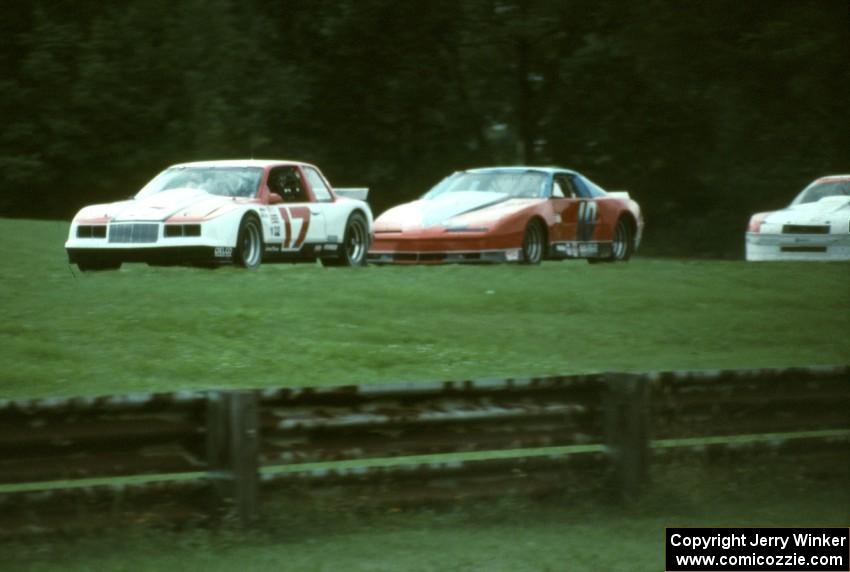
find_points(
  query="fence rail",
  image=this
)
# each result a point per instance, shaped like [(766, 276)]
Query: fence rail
[(191, 454)]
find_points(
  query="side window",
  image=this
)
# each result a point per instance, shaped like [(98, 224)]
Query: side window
[(581, 189), (557, 191), (567, 186), (595, 190), (286, 181), (320, 189)]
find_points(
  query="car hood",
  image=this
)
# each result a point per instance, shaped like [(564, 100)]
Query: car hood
[(818, 212), (187, 203), (461, 208)]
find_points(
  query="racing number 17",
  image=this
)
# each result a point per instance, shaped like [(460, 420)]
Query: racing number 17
[(295, 213)]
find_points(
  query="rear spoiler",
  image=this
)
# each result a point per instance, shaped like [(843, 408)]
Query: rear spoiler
[(358, 193), (619, 194)]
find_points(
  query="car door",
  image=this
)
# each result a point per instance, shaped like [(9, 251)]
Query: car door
[(587, 213), (324, 205), (565, 204), (296, 221)]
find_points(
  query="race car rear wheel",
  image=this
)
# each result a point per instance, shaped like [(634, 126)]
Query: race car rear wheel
[(249, 244), (533, 244), (355, 243)]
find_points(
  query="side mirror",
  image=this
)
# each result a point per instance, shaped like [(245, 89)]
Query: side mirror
[(275, 199)]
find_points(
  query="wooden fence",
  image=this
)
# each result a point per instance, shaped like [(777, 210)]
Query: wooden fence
[(188, 455)]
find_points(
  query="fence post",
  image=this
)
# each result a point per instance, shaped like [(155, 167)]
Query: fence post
[(627, 432), (232, 450)]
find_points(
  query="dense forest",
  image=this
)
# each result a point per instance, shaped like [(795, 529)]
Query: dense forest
[(706, 111)]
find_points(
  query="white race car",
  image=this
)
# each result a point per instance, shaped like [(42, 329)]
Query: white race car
[(240, 212), (815, 226)]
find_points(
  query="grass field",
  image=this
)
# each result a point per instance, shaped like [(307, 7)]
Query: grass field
[(162, 329)]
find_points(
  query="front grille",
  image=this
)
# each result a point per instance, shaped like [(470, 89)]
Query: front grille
[(133, 233), (805, 229)]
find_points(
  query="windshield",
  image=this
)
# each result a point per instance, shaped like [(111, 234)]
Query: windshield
[(517, 184), (223, 181), (817, 191)]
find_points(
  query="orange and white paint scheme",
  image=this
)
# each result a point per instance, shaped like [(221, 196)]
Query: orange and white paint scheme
[(510, 214)]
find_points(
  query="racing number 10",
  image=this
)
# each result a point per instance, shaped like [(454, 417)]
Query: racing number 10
[(295, 212), (586, 220)]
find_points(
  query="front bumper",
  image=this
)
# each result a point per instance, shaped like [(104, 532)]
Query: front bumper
[(168, 255), (806, 247), (456, 257), (439, 247)]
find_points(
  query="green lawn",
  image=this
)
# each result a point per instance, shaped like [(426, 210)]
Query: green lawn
[(162, 329)]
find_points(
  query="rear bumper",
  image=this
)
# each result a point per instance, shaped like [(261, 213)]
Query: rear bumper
[(152, 255), (826, 247)]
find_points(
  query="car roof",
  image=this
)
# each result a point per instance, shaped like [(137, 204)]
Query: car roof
[(242, 163), (833, 178), (521, 169)]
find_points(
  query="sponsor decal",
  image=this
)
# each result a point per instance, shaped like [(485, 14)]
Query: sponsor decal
[(589, 249), (512, 255), (223, 252)]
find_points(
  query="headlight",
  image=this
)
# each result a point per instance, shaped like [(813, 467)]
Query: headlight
[(756, 221), (178, 230)]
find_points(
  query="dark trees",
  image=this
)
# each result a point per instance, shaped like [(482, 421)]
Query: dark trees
[(704, 111)]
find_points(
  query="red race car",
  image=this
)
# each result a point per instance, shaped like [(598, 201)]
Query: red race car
[(510, 214)]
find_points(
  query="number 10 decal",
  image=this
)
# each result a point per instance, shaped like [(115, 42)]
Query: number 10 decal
[(293, 213), (586, 220)]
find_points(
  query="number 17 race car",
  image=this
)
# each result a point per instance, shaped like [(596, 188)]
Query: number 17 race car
[(510, 214), (242, 212)]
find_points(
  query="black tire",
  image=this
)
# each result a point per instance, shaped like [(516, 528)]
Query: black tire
[(355, 243), (533, 243), (623, 245), (248, 253), (97, 265)]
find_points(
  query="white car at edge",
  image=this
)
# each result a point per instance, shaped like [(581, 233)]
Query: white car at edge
[(815, 226), (241, 212)]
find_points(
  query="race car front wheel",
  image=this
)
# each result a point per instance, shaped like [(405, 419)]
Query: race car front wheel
[(624, 242), (533, 244), (249, 244), (355, 243), (623, 245)]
